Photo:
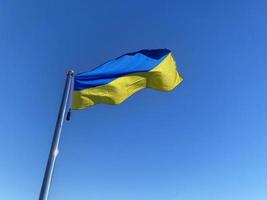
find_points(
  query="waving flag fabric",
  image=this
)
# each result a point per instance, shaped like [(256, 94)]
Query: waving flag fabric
[(116, 80)]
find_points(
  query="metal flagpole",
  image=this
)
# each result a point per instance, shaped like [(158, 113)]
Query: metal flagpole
[(54, 147)]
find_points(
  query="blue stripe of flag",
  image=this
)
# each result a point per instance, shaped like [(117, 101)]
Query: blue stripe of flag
[(140, 61)]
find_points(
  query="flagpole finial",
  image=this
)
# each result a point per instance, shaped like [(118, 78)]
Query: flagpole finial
[(71, 72)]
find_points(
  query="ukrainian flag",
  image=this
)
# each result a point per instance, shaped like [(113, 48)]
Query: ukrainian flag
[(118, 79)]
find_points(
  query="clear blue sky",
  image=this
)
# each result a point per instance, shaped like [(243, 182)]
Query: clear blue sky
[(206, 140)]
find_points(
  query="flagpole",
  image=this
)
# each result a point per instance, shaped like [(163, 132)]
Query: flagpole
[(54, 147)]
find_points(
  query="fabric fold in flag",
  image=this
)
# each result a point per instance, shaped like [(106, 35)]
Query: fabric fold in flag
[(118, 79)]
